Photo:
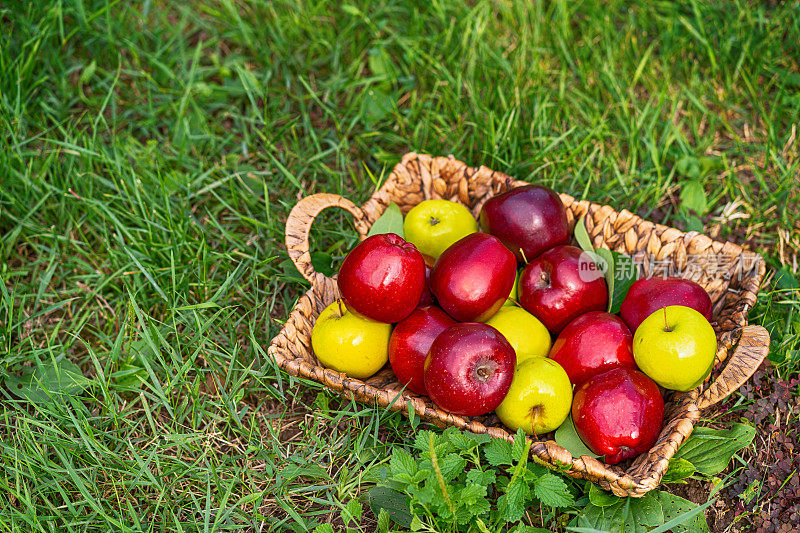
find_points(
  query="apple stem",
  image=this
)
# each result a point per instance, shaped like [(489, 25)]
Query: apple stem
[(666, 325), (341, 308), (523, 255)]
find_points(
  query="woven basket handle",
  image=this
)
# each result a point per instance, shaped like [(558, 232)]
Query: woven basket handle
[(753, 347), (298, 226)]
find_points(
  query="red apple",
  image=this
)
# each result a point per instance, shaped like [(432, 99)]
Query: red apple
[(648, 295), (469, 369), (556, 289), (410, 342), (382, 278), (473, 277), (427, 296), (618, 413), (528, 220), (593, 343)]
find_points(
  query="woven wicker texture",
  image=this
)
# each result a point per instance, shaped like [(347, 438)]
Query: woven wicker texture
[(732, 283)]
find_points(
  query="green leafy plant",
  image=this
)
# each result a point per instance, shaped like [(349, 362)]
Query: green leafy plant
[(447, 481), (49, 381), (446, 485), (659, 509), (710, 450), (694, 203)]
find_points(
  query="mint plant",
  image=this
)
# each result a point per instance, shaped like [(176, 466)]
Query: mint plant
[(461, 481), (452, 478)]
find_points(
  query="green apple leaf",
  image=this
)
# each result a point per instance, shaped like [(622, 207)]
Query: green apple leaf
[(620, 271), (582, 235), (567, 437), (710, 450), (608, 266), (391, 221), (323, 263), (625, 273)]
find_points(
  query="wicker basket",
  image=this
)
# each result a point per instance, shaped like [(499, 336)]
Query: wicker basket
[(730, 275)]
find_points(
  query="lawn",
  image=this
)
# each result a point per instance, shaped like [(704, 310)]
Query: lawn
[(151, 151)]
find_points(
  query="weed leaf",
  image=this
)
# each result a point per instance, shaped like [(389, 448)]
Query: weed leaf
[(679, 469), (601, 498), (693, 197), (680, 515), (402, 463), (498, 452), (710, 450), (48, 381), (395, 503), (552, 491)]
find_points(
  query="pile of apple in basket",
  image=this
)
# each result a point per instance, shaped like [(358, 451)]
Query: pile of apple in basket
[(475, 334)]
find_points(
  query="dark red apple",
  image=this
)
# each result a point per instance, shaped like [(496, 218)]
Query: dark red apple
[(382, 278), (410, 341), (618, 413), (473, 277), (427, 296), (648, 295), (528, 220), (557, 287), (593, 343), (469, 369)]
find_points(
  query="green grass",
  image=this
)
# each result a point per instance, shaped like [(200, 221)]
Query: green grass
[(150, 153)]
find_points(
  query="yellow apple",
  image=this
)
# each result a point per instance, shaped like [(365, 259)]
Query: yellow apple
[(526, 334), (675, 346), (539, 399), (348, 342), (433, 225)]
